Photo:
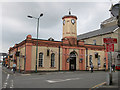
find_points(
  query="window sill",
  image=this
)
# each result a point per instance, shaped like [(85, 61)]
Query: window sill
[(40, 67), (52, 67)]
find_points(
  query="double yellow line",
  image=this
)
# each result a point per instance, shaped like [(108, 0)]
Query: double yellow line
[(96, 86)]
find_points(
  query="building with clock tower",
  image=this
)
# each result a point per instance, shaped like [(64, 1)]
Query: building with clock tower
[(70, 29), (69, 54)]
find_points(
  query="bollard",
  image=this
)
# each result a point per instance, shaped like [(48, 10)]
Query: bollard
[(109, 79)]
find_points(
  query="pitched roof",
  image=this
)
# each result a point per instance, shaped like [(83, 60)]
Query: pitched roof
[(100, 31)]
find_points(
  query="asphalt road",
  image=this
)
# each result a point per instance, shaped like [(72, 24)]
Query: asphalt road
[(77, 79), (1, 77)]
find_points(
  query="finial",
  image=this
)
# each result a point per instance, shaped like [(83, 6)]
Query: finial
[(69, 11)]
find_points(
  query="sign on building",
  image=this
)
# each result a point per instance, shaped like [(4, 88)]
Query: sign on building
[(110, 47), (110, 40), (110, 43)]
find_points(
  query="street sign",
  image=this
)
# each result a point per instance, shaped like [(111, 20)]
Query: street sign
[(110, 40), (110, 47)]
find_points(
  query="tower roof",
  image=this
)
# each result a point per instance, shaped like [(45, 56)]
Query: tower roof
[(69, 16)]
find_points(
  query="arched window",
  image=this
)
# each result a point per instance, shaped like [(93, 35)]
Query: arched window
[(52, 60), (90, 59), (40, 60), (98, 59)]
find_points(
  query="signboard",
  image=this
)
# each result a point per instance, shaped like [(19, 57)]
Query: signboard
[(110, 47), (110, 40)]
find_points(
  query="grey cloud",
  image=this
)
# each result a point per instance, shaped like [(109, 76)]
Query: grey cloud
[(51, 22)]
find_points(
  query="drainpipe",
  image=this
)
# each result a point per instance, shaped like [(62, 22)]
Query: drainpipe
[(25, 58), (59, 59), (86, 59)]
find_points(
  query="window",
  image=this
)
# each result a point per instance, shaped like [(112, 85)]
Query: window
[(96, 55), (52, 60), (98, 59), (118, 56), (90, 59), (94, 42), (40, 59)]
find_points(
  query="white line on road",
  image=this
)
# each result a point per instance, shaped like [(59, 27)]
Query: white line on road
[(11, 84), (25, 74), (5, 84), (8, 76), (61, 80)]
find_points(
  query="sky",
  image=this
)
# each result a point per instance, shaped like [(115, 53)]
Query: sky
[(15, 25)]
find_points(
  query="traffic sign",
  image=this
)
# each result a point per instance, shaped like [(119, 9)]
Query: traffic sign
[(110, 40), (110, 47)]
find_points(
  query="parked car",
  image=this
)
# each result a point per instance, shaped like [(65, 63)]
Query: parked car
[(117, 67)]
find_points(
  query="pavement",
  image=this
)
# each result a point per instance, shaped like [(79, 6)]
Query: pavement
[(115, 83), (62, 79)]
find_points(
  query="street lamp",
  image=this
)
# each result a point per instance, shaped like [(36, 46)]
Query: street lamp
[(37, 36)]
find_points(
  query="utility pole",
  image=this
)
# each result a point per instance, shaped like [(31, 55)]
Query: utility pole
[(19, 62), (37, 38), (110, 48), (110, 71)]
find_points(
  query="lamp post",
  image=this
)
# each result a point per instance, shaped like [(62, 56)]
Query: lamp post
[(37, 37)]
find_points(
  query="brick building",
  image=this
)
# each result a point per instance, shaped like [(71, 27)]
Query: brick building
[(67, 54)]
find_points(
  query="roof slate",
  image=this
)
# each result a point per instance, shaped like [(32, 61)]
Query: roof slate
[(100, 31)]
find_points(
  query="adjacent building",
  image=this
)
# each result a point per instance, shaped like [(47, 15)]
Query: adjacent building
[(71, 53), (109, 29)]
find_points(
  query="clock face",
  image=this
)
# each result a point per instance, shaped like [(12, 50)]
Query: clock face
[(63, 22), (73, 21)]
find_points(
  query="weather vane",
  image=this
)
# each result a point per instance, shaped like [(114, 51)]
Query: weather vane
[(69, 11)]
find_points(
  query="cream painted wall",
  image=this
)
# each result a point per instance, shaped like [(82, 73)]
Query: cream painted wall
[(46, 59), (99, 39), (69, 27), (22, 52), (108, 24), (95, 60), (11, 62), (118, 39)]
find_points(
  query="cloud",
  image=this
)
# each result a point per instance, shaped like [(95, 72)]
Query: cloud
[(95, 15), (0, 27), (16, 25)]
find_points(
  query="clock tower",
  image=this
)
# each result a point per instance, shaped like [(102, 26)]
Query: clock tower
[(69, 29)]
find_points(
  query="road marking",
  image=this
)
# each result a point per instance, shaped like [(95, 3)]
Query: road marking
[(25, 74), (11, 84), (97, 86), (61, 80), (4, 71), (8, 76), (5, 84)]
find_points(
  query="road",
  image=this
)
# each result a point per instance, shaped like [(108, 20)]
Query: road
[(1, 77), (77, 79)]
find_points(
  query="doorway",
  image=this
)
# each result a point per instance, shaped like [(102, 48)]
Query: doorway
[(72, 61)]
